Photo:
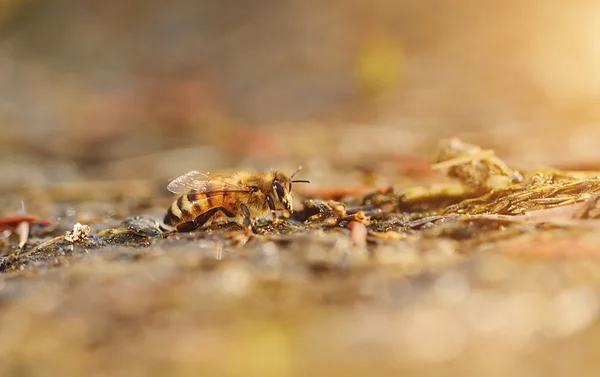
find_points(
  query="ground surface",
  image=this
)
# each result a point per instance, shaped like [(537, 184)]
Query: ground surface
[(492, 272)]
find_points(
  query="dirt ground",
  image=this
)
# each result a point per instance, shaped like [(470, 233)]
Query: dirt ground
[(432, 279)]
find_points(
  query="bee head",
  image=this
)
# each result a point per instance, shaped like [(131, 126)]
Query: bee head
[(282, 189), (283, 194)]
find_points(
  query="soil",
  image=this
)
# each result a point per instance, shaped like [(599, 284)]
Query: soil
[(480, 274)]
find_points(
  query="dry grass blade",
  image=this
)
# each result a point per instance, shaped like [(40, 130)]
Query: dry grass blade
[(590, 210), (524, 198), (42, 246), (424, 220)]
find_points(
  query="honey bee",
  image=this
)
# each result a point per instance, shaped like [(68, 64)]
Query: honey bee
[(240, 197)]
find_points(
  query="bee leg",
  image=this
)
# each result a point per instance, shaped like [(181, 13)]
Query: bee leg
[(202, 219), (247, 221), (273, 211), (189, 226), (275, 220), (167, 234)]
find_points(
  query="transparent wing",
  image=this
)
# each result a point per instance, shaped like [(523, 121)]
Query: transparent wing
[(187, 182), (201, 182)]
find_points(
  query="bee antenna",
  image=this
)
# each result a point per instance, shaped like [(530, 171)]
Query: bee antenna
[(300, 181), (296, 172)]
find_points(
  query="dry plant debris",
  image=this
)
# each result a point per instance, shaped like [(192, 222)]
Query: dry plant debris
[(485, 200), (79, 233)]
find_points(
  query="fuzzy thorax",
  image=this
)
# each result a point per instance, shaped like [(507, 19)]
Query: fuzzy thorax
[(264, 184)]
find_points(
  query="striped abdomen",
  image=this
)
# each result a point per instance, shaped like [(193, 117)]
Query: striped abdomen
[(193, 204)]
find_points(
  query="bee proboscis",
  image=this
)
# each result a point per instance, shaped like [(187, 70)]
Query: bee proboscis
[(240, 197)]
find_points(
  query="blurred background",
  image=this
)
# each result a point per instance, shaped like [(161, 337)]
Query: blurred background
[(139, 91), (146, 88)]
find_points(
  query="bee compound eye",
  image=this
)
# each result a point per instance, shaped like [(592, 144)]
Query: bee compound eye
[(279, 190)]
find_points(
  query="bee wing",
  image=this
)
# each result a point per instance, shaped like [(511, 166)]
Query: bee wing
[(201, 182), (187, 182)]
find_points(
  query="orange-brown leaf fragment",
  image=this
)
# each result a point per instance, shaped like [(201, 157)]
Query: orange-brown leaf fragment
[(11, 222), (360, 217), (336, 192)]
